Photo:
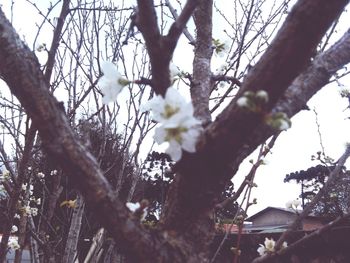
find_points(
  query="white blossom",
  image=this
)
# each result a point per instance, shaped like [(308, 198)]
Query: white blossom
[(284, 244), (111, 83), (261, 250), (4, 176), (178, 126), (41, 175), (269, 246), (170, 108), (184, 136), (284, 125), (133, 206), (13, 243), (14, 229), (243, 102), (53, 172), (296, 202), (17, 216), (174, 71), (34, 211), (24, 187), (293, 204), (27, 210), (38, 201), (262, 95)]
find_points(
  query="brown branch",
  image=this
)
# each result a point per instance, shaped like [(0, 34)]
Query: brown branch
[(56, 41), (221, 77), (179, 25), (175, 16), (202, 84), (160, 48)]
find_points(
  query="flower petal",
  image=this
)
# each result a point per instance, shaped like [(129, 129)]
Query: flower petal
[(189, 140), (174, 150), (110, 70), (160, 134)]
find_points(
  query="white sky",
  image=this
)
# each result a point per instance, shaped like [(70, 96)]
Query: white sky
[(293, 148)]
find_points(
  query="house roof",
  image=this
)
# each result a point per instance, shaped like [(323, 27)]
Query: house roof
[(270, 208)]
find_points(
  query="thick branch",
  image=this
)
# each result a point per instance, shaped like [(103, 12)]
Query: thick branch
[(161, 48), (201, 81)]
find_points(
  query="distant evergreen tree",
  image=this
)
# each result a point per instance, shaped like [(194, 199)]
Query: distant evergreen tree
[(336, 201)]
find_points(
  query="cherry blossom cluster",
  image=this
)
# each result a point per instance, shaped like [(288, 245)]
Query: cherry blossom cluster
[(13, 243), (177, 125), (5, 176), (269, 246), (253, 101), (278, 121)]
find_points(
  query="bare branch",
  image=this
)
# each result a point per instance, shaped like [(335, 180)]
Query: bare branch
[(179, 25), (56, 40), (175, 15)]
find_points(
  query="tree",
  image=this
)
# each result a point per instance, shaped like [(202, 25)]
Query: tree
[(278, 86), (335, 202)]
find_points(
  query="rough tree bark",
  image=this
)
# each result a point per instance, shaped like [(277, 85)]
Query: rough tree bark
[(201, 83)]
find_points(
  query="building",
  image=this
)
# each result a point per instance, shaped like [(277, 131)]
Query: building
[(273, 219)]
